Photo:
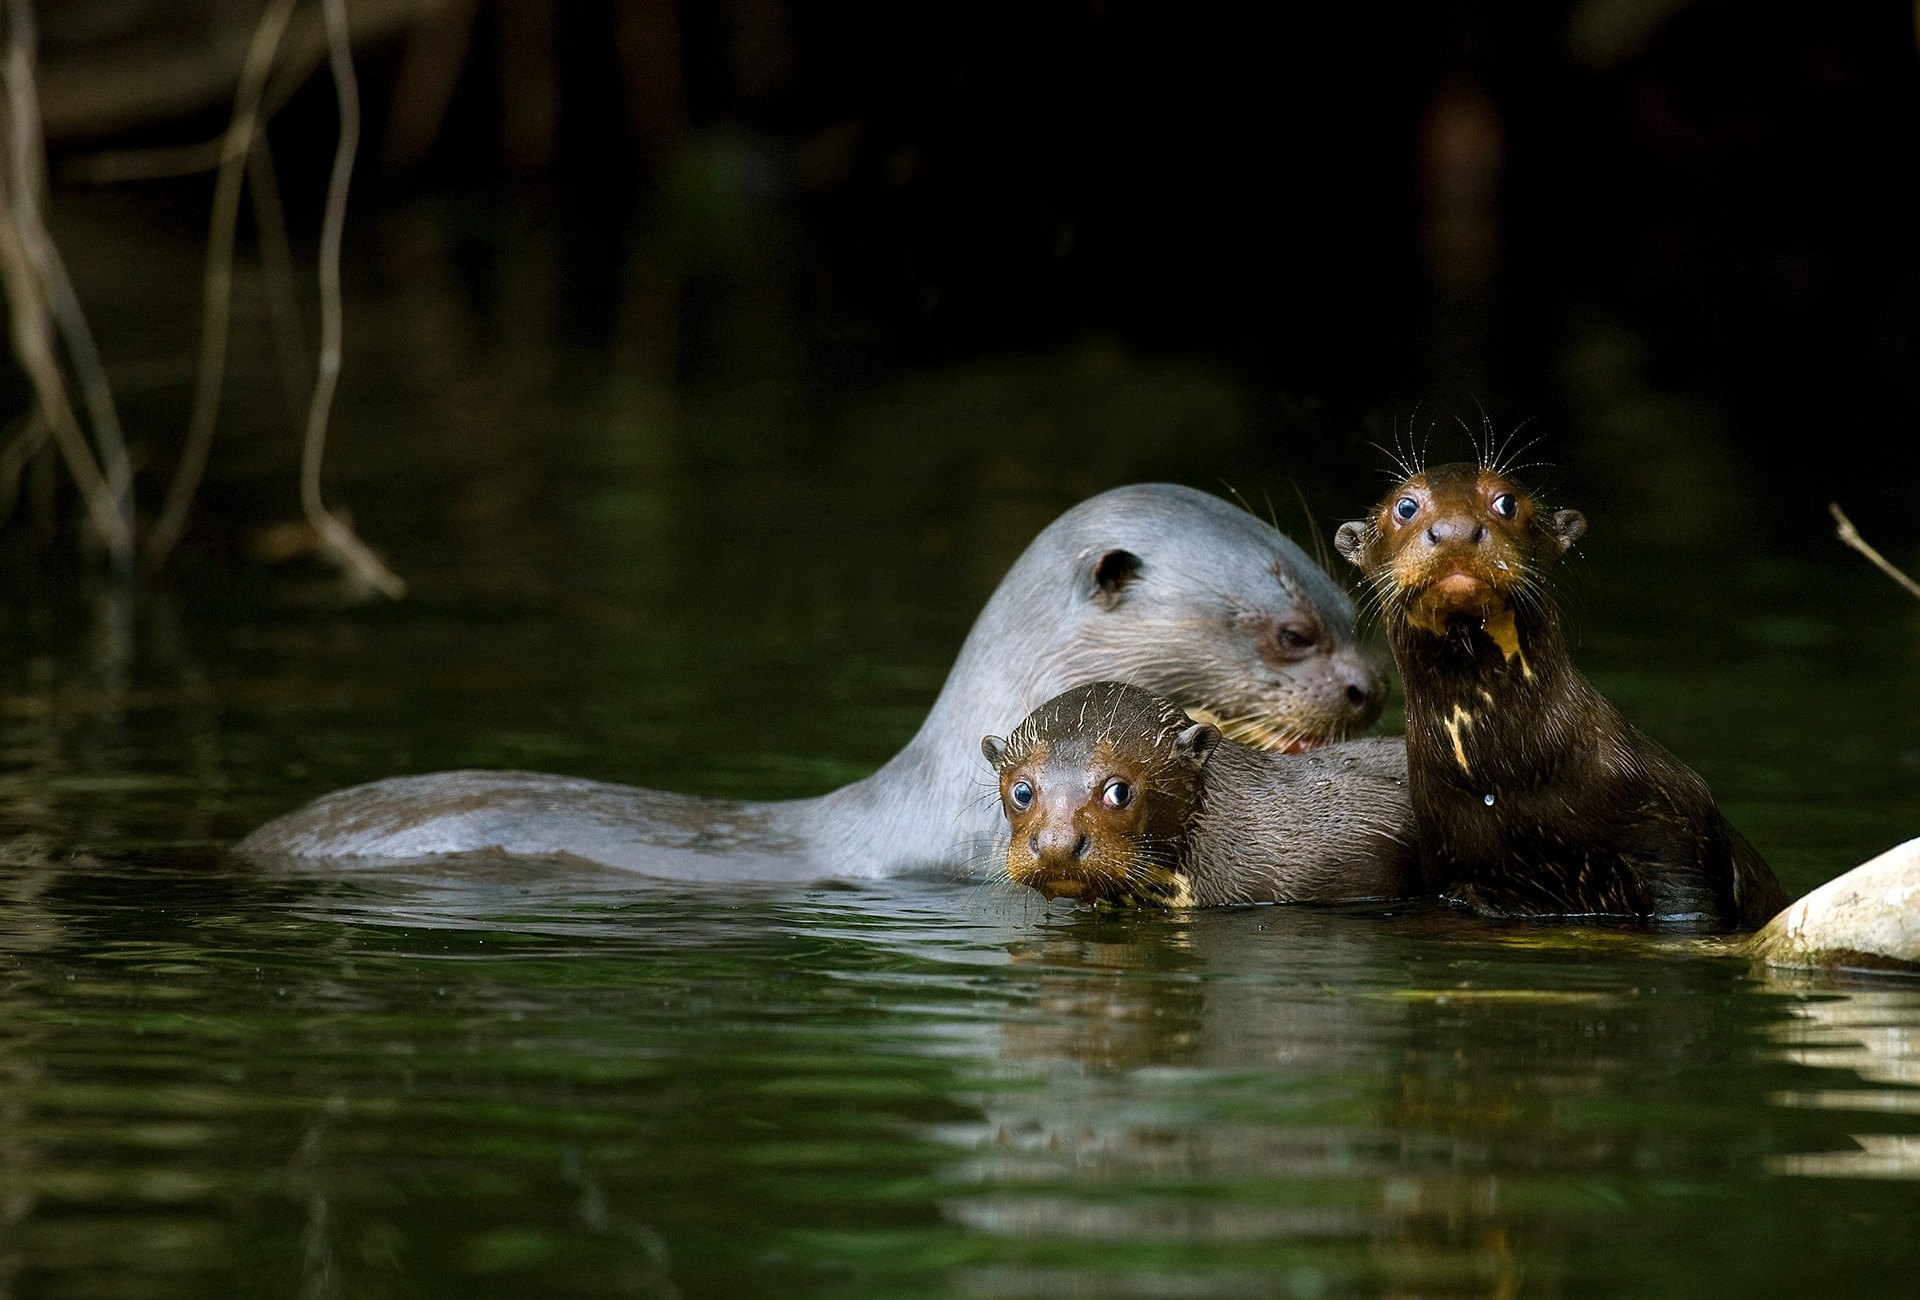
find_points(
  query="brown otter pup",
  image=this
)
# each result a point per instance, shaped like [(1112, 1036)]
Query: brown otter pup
[(1113, 793), (1533, 795)]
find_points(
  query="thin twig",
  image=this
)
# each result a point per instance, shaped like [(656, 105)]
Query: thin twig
[(337, 536), (89, 370), (61, 300), (217, 296), (300, 55), (1847, 533), (149, 163), (33, 346), (35, 280)]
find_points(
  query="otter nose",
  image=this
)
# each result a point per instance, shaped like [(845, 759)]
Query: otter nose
[(1363, 684), (1366, 696), (1456, 530), (1054, 842)]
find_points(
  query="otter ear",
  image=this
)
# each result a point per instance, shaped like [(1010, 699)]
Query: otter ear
[(1197, 743), (1113, 572), (1351, 541), (1567, 527), (995, 748)]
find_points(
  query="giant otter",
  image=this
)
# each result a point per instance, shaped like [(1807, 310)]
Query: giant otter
[(1533, 795), (1159, 584), (1113, 793)]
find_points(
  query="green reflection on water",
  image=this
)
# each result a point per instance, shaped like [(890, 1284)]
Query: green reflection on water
[(565, 1083), (914, 1089)]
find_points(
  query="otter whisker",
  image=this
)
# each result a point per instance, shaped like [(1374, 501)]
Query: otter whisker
[(1481, 453)]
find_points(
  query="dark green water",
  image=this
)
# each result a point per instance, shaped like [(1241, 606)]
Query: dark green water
[(699, 559)]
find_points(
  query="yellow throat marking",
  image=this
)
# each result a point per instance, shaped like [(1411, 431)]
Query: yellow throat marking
[(1457, 721), (1505, 635)]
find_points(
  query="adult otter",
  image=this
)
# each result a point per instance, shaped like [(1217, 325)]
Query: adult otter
[(1159, 584), (1533, 795), (1114, 793)]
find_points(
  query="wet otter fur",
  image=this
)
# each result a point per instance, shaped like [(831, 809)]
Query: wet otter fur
[(1115, 794), (1156, 583), (1534, 796)]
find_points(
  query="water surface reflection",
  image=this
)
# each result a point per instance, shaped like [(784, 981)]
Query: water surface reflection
[(1870, 1038), (710, 558)]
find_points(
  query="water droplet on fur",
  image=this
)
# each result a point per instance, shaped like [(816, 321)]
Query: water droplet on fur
[(1487, 800)]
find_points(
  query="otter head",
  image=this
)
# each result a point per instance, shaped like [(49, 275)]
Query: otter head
[(1195, 599), (1099, 785), (1458, 545)]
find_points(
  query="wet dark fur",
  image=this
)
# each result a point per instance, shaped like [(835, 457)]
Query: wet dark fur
[(1587, 815), (1210, 821)]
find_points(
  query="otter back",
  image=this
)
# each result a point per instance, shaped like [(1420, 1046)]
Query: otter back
[(1154, 582)]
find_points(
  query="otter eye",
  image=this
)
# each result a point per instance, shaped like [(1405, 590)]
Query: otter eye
[(1020, 795), (1295, 640), (1118, 794), (1505, 506), (1405, 508)]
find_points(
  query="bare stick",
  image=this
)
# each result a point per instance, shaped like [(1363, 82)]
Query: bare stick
[(95, 391), (337, 537), (33, 346), (218, 292), (30, 180), (61, 300), (1847, 533), (155, 162), (36, 286), (44, 256), (300, 54)]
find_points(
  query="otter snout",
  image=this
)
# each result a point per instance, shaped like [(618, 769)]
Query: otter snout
[(1055, 842), (1456, 530), (1362, 684)]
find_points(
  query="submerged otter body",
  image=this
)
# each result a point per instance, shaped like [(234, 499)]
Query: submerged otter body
[(1533, 795), (1156, 583), (1113, 793)]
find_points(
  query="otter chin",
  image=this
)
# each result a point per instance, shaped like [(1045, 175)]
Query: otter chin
[(1058, 886), (1458, 595)]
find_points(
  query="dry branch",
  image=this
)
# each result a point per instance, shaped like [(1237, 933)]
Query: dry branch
[(1847, 533), (218, 292), (333, 532), (41, 298)]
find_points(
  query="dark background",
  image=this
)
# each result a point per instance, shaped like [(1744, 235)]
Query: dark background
[(1383, 218)]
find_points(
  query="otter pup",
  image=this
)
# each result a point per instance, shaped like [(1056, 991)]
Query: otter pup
[(1533, 795), (1155, 582), (1113, 793)]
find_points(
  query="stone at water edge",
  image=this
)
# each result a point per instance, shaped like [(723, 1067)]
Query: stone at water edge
[(1869, 917)]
